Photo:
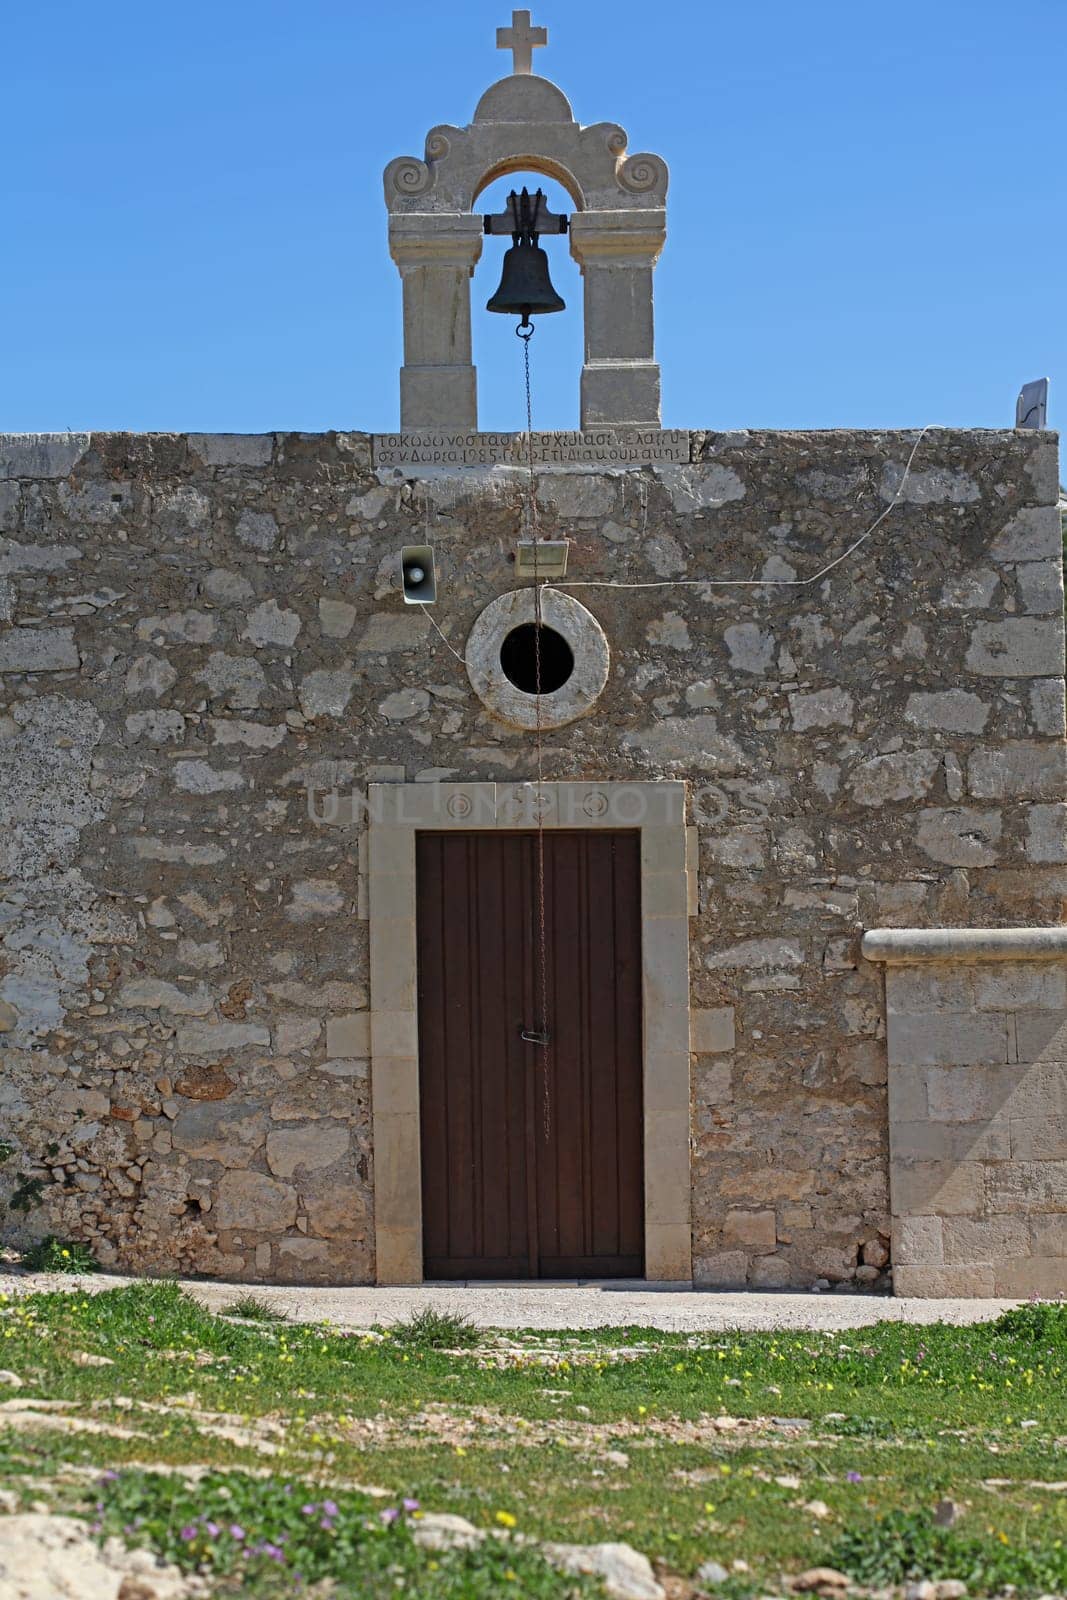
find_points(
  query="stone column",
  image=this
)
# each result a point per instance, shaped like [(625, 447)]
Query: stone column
[(436, 253), (976, 1024), (617, 251)]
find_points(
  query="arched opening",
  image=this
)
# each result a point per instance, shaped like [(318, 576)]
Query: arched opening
[(557, 350)]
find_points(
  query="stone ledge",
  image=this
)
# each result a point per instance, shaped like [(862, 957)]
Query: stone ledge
[(908, 946)]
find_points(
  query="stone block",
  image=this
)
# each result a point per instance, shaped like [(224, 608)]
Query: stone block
[(947, 711), (233, 449), (712, 1031), (254, 1203), (1018, 647), (1048, 1236), (668, 1252), (930, 986), (397, 1255), (726, 1269), (1033, 534), (1021, 986), (1027, 1187), (1039, 1138), (393, 1033), (1040, 587), (667, 1081), (926, 1140), (41, 455), (620, 392), (993, 1094), (1046, 833), (960, 836), (1019, 771), (907, 1094), (944, 1283), (754, 1231), (397, 1186), (947, 1038), (392, 963), (306, 1149), (973, 1239), (1031, 1276), (665, 894), (396, 1084), (1041, 1036), (918, 1241), (348, 1036), (932, 1188), (38, 650), (771, 1272)]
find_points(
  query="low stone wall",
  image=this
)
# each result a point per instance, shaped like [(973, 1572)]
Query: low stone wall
[(977, 1040)]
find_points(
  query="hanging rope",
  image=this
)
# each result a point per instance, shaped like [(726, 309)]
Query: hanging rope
[(525, 332)]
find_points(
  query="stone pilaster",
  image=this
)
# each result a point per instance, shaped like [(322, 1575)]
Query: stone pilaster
[(436, 253), (617, 252)]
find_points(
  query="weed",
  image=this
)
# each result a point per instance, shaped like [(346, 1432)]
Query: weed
[(427, 1329), (252, 1309), (1040, 1322), (906, 1545), (53, 1255), (265, 1532)]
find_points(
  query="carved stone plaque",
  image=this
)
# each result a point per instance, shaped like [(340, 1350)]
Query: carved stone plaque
[(608, 447)]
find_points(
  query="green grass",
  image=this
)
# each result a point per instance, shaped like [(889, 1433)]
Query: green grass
[(58, 1255), (427, 1329), (892, 1420), (252, 1309)]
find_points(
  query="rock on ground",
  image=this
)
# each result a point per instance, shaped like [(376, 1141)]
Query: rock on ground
[(53, 1558), (624, 1572)]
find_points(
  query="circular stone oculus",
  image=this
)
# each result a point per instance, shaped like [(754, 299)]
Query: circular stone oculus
[(574, 659)]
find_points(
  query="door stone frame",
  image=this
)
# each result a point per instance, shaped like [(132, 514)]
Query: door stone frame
[(396, 813)]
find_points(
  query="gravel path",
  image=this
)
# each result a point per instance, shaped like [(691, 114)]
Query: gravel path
[(563, 1305)]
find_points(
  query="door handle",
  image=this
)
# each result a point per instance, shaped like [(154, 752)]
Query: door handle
[(534, 1035)]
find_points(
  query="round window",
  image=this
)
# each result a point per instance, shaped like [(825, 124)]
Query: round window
[(502, 654), (519, 658)]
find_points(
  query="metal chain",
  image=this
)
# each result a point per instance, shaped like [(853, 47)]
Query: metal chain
[(532, 527)]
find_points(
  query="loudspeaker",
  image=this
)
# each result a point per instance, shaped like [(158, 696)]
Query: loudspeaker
[(417, 572)]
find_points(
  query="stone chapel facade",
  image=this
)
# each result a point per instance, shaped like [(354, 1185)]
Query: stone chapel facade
[(806, 840)]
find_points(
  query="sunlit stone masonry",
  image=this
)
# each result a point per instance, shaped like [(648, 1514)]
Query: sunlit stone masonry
[(259, 1023), (618, 853)]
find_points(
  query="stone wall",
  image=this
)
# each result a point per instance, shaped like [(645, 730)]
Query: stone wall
[(197, 629), (977, 1037)]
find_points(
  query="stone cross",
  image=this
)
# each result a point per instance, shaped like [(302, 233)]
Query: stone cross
[(521, 40)]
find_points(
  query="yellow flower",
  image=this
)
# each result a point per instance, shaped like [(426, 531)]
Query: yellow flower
[(641, 1410), (460, 1450), (506, 1519), (709, 1506)]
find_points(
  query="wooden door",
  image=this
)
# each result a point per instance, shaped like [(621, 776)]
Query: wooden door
[(532, 1157)]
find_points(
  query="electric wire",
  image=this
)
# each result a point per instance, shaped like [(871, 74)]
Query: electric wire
[(759, 583)]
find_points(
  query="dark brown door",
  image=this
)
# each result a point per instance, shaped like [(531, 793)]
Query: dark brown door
[(532, 1162)]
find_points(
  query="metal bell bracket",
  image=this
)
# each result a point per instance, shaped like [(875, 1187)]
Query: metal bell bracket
[(527, 214)]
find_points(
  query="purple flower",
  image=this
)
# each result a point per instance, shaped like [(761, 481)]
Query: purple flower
[(309, 1510), (326, 1524), (274, 1552), (329, 1508), (109, 1476), (212, 1528), (188, 1532), (854, 1477), (237, 1532), (389, 1515), (411, 1505)]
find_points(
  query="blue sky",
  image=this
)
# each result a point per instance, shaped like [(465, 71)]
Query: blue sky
[(866, 223)]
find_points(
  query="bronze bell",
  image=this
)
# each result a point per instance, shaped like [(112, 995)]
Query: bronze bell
[(525, 286)]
